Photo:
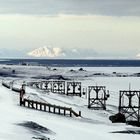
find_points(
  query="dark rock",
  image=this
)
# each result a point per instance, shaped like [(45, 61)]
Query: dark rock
[(117, 118), (114, 72), (71, 70), (13, 71), (81, 69), (54, 69), (97, 74)]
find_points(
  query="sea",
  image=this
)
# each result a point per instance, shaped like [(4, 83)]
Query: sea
[(72, 62)]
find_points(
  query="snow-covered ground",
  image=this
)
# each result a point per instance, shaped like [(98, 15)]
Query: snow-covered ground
[(19, 123)]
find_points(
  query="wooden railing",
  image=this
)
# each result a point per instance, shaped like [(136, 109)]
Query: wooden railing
[(50, 108), (16, 89), (6, 85)]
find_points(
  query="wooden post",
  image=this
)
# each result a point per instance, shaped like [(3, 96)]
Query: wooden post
[(40, 106), (139, 109), (70, 112), (59, 110), (32, 104), (23, 102), (89, 97), (119, 102), (36, 105), (44, 107), (80, 113), (20, 101), (28, 104), (54, 110), (49, 109)]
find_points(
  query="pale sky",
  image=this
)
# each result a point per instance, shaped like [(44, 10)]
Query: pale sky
[(74, 28)]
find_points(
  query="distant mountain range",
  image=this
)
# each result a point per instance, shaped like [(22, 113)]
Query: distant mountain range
[(46, 52)]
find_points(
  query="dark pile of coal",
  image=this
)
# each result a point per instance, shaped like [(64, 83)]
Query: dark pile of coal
[(36, 127), (117, 118)]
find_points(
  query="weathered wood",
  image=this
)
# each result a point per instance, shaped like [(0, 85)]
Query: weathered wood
[(80, 113), (53, 86), (56, 109), (71, 113), (74, 89), (44, 107), (40, 106), (97, 97), (28, 103), (59, 86), (6, 85), (59, 111), (16, 89), (49, 108), (36, 105), (129, 104)]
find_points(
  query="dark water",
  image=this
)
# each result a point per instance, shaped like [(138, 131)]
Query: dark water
[(72, 63)]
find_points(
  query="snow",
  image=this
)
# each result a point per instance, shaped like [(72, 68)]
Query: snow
[(94, 124)]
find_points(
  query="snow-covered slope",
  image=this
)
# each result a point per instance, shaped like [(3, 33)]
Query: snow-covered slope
[(19, 123)]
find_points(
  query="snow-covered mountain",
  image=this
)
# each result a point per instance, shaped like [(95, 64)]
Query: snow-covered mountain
[(46, 52)]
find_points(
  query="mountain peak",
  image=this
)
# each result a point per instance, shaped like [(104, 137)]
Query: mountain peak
[(46, 52)]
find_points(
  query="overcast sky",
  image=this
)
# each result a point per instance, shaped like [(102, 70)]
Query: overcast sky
[(77, 28)]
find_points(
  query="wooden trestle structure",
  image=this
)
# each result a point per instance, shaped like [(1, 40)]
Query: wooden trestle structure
[(129, 100), (129, 104), (97, 97), (61, 87)]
